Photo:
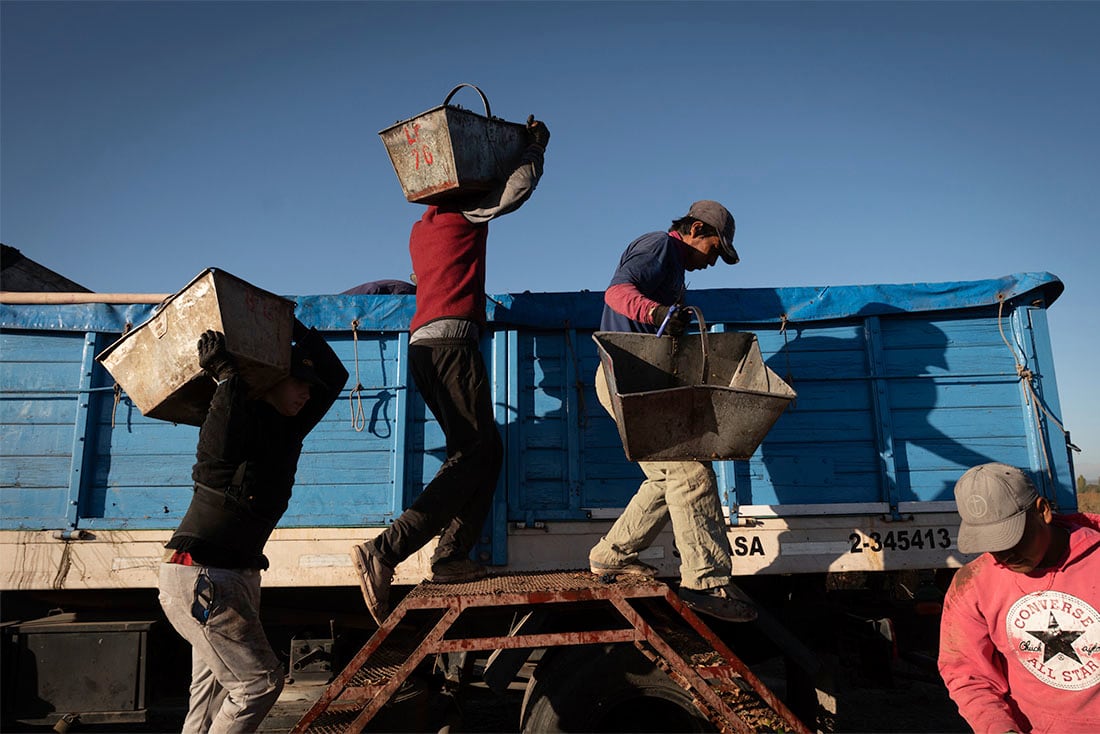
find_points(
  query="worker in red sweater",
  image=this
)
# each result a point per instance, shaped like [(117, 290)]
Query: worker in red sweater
[(1020, 635), (447, 246)]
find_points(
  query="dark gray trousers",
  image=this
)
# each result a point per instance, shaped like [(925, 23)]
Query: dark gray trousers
[(451, 378)]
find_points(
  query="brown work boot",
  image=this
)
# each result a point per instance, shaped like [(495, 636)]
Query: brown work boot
[(457, 571), (375, 578), (718, 603)]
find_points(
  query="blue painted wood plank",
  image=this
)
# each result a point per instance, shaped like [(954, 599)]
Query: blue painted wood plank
[(154, 507), (827, 396), (34, 471), (30, 508), (959, 423), (941, 393), (31, 379), (34, 440), (796, 425), (38, 409)]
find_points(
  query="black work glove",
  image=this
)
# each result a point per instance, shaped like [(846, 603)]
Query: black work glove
[(678, 322), (537, 132), (213, 356)]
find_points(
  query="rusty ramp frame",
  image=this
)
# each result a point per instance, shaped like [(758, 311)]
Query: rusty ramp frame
[(649, 615)]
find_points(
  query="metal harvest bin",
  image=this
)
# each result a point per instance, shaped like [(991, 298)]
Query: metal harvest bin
[(449, 150), (157, 363), (711, 398)]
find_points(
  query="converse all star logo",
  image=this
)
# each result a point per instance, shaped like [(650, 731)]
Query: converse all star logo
[(1056, 637)]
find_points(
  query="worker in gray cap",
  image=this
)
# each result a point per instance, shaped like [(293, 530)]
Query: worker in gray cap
[(646, 293), (650, 276), (1020, 633)]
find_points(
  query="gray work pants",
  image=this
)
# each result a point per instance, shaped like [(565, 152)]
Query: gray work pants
[(235, 675), (685, 492)]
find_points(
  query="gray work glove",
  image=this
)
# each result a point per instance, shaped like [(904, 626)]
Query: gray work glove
[(537, 132), (214, 358), (677, 322)]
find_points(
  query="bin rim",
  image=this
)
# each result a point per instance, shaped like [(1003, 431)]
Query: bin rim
[(160, 306), (457, 108)]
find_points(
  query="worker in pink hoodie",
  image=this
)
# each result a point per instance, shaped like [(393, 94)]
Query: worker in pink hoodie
[(1020, 635)]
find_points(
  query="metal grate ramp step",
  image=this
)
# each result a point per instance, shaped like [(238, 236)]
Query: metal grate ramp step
[(436, 618), (733, 698)]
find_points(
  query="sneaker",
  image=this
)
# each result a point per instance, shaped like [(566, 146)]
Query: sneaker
[(719, 604), (457, 571), (375, 578), (627, 568)]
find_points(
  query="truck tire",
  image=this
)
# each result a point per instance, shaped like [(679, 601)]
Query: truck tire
[(608, 688)]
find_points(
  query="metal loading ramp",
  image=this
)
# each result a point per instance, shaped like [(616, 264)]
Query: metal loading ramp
[(433, 618)]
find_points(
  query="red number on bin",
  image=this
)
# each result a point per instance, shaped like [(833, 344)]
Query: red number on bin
[(412, 136), (428, 159)]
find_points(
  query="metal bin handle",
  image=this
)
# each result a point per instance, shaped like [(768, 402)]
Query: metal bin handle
[(474, 87)]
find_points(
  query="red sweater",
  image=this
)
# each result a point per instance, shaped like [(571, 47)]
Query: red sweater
[(448, 257), (1021, 652)]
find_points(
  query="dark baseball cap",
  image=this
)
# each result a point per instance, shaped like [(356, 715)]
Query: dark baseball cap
[(993, 500), (302, 367), (719, 217)]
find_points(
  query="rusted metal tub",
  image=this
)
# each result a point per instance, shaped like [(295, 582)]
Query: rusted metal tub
[(710, 398), (449, 151), (157, 362)]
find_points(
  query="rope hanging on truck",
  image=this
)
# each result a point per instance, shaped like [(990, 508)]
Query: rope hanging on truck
[(1025, 374), (1027, 377), (355, 398), (789, 377), (118, 388)]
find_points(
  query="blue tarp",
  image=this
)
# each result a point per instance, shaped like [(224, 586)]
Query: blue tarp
[(582, 309)]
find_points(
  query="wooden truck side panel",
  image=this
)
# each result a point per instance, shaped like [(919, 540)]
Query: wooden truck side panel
[(899, 389)]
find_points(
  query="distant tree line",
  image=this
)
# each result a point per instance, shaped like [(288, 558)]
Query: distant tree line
[(1088, 495)]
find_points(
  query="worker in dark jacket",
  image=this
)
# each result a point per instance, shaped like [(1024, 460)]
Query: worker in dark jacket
[(447, 246), (210, 585)]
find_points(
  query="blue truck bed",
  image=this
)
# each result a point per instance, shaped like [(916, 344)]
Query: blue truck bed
[(900, 388)]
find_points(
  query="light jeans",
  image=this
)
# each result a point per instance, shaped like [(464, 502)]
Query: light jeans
[(235, 675), (685, 492)]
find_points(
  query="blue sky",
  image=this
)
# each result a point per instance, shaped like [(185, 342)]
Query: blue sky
[(855, 142)]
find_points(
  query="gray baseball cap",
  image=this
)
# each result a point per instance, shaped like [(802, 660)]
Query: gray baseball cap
[(993, 501), (719, 217)]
